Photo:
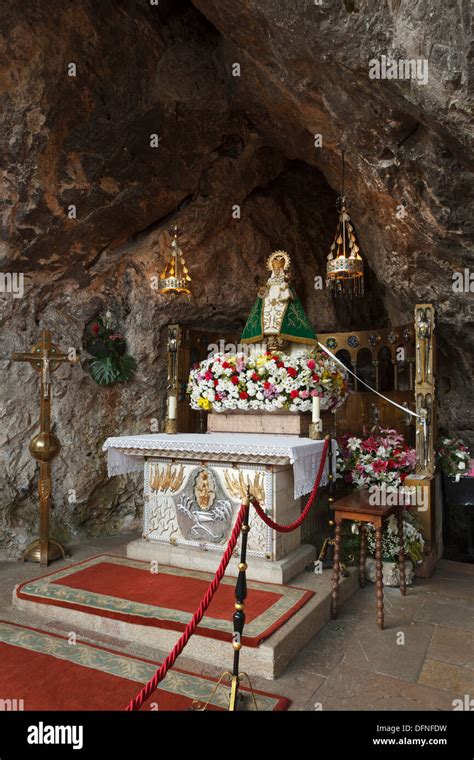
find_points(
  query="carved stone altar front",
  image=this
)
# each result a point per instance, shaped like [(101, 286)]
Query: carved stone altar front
[(190, 507), (195, 505)]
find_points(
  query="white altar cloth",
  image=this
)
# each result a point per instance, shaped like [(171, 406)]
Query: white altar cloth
[(303, 453)]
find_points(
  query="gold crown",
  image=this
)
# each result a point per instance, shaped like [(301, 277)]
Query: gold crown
[(279, 255)]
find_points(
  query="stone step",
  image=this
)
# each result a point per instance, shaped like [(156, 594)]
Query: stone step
[(268, 660), (281, 571)]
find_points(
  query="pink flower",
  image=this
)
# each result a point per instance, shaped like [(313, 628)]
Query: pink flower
[(311, 364), (304, 394), (208, 375), (314, 393)]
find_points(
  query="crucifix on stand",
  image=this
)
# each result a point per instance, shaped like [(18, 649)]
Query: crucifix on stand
[(45, 358)]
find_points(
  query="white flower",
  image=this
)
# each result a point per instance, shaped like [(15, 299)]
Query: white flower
[(354, 443)]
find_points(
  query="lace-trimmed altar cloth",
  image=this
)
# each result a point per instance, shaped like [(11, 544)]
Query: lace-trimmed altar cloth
[(303, 453)]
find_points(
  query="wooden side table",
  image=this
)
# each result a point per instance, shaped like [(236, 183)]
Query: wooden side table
[(356, 506)]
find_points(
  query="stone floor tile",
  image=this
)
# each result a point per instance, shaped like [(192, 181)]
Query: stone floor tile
[(444, 675), (351, 688), (452, 645), (398, 651), (440, 609)]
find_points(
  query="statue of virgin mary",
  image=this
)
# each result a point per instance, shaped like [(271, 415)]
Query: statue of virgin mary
[(277, 317)]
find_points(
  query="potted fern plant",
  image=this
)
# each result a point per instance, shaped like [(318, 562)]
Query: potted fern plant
[(110, 363)]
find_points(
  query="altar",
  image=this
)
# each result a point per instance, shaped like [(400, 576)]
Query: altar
[(194, 485)]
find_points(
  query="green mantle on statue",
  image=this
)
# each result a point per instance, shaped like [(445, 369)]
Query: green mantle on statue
[(295, 325)]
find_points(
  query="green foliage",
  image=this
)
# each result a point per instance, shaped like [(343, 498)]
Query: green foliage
[(110, 364), (126, 367)]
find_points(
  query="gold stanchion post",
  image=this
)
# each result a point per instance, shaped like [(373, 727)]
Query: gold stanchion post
[(238, 620)]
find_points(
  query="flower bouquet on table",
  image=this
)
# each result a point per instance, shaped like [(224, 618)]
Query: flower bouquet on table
[(271, 381), (380, 459), (413, 540), (413, 546), (110, 362), (453, 458)]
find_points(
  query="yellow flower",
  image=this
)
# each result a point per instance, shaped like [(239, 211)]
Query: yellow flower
[(261, 360), (204, 403)]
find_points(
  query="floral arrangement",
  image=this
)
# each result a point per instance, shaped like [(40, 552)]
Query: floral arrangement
[(452, 457), (110, 364), (413, 542), (383, 458), (269, 381)]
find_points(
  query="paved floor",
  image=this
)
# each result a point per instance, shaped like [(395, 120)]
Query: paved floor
[(423, 660)]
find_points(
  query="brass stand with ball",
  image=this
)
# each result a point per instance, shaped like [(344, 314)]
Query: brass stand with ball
[(45, 358)]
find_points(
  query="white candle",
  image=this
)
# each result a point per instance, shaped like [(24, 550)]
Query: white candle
[(315, 417), (171, 407)]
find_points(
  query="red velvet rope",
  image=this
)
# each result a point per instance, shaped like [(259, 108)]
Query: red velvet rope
[(288, 528), (152, 684), (150, 687)]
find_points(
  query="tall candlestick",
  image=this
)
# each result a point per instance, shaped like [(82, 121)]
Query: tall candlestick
[(171, 407), (316, 405)]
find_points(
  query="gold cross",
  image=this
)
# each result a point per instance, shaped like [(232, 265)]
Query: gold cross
[(46, 358)]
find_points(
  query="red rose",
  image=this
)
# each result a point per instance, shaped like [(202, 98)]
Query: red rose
[(280, 364), (95, 328), (208, 375), (255, 377), (311, 364), (243, 394), (266, 385), (216, 382), (225, 365), (316, 378), (234, 379), (294, 394), (292, 371)]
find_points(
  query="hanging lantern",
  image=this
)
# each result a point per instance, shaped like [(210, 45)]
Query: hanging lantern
[(175, 276), (345, 268)]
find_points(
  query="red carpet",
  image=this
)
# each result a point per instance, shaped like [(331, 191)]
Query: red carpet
[(126, 589), (46, 672)]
